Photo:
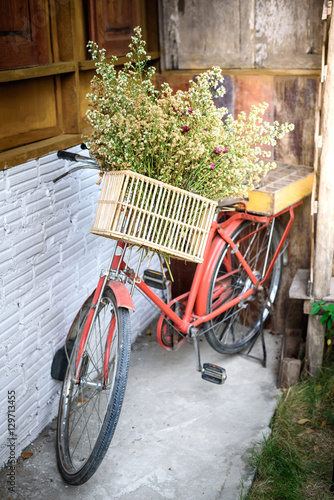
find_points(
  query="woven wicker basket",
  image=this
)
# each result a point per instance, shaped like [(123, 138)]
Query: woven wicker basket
[(154, 215)]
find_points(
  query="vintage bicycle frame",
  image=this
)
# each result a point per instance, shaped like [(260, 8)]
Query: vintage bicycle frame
[(196, 301)]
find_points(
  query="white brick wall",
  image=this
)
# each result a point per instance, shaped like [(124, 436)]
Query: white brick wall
[(49, 263)]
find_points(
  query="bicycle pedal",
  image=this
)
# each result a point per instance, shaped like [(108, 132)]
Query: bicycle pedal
[(154, 279), (213, 373)]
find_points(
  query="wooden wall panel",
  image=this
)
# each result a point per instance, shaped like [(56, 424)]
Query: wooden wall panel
[(201, 34), (254, 89), (36, 105), (295, 101), (289, 312), (85, 79), (288, 33), (241, 33), (28, 111)]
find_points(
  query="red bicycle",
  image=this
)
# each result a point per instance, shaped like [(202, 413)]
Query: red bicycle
[(230, 298)]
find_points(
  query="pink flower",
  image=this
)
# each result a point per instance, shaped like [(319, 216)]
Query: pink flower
[(185, 128), (212, 166), (225, 150), (190, 111), (217, 150)]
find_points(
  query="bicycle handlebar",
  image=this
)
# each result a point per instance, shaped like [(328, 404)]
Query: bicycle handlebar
[(66, 155)]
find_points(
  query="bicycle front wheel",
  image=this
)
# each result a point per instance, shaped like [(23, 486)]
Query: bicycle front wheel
[(91, 401), (234, 329)]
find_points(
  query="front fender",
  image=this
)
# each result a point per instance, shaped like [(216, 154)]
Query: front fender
[(122, 294)]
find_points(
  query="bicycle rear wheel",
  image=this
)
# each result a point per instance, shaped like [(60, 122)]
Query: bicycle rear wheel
[(90, 404), (235, 329)]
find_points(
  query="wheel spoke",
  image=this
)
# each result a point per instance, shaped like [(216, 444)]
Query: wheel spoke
[(236, 327), (86, 407)]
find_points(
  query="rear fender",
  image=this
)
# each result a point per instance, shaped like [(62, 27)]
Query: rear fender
[(217, 246)]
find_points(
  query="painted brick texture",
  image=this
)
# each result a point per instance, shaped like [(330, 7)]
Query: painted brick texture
[(49, 263)]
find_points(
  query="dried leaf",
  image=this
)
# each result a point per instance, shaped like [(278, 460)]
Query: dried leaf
[(324, 423), (307, 431), (303, 421), (26, 455)]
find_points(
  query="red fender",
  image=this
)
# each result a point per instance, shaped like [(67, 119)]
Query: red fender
[(216, 249), (122, 294)]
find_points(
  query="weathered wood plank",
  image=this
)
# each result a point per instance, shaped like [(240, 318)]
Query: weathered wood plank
[(284, 35), (22, 154), (121, 60), (28, 112), (325, 224), (223, 36), (289, 372), (324, 242), (298, 288), (291, 343), (37, 71), (295, 102), (271, 34)]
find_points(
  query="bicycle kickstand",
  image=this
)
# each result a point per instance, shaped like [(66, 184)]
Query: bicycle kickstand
[(253, 342), (211, 373), (264, 362)]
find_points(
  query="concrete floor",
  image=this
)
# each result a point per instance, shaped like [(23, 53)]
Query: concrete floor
[(178, 437)]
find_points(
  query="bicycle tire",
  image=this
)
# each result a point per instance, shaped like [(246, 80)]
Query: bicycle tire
[(90, 406), (236, 328)]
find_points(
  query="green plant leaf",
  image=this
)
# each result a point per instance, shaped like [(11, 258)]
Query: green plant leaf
[(324, 317), (315, 309)]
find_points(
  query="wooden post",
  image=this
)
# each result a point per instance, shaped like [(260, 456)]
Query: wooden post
[(325, 216)]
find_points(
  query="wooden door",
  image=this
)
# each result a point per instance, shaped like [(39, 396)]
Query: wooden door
[(23, 33), (111, 24)]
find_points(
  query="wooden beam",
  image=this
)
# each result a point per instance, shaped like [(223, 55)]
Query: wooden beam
[(22, 154), (121, 60), (324, 244), (325, 221), (247, 71), (37, 71)]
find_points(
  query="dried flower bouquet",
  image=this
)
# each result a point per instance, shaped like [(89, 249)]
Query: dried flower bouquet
[(178, 138)]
